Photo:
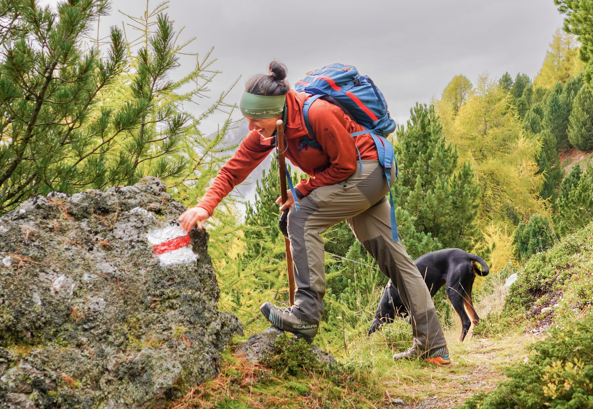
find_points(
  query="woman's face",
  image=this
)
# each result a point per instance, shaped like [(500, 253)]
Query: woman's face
[(265, 126)]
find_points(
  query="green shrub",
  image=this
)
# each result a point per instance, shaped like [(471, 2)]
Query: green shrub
[(548, 274), (580, 128), (398, 334), (575, 204), (559, 375), (534, 237), (292, 357)]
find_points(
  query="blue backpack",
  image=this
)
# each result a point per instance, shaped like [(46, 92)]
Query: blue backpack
[(362, 101)]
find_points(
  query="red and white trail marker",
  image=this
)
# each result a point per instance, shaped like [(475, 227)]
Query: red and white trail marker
[(171, 245)]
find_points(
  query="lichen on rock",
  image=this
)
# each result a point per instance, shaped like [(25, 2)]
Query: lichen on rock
[(89, 315)]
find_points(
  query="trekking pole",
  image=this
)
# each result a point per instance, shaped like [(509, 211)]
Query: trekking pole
[(284, 197)]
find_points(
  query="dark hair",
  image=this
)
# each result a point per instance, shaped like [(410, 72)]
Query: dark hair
[(272, 84)]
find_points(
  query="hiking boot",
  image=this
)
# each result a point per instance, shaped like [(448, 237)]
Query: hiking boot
[(437, 356), (285, 320)]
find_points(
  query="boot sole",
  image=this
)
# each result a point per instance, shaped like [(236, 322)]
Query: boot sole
[(438, 361)]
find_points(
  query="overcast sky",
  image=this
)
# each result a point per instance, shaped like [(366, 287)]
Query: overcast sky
[(411, 49)]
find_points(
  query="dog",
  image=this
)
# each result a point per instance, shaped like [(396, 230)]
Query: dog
[(456, 268)]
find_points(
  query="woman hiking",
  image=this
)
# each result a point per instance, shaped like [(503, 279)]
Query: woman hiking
[(337, 190)]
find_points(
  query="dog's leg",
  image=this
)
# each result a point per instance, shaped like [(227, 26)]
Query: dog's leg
[(469, 305), (386, 310), (473, 315), (457, 297)]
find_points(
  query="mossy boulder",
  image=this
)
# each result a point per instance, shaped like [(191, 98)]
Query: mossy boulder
[(89, 315)]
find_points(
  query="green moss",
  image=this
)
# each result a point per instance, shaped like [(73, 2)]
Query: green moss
[(232, 404), (300, 389)]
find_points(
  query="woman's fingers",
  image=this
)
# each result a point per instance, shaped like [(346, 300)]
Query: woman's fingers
[(192, 216), (187, 220), (288, 204), (289, 201)]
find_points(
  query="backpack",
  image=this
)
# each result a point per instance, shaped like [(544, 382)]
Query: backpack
[(362, 101)]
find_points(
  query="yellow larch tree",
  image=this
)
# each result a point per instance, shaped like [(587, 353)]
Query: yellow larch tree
[(561, 61), (457, 92), (488, 134)]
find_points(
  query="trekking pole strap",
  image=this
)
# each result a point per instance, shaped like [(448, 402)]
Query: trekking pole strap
[(292, 190)]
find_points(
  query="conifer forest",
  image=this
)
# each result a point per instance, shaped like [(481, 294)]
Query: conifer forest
[(500, 167)]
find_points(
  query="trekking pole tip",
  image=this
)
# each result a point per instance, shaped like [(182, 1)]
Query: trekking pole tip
[(279, 122)]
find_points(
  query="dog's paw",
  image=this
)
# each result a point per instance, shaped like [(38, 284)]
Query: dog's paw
[(374, 326)]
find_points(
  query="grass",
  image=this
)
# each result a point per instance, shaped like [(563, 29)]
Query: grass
[(368, 377)]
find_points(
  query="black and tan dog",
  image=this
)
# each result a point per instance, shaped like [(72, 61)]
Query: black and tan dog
[(454, 267)]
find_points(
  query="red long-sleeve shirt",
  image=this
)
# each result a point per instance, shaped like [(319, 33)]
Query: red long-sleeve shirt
[(335, 162)]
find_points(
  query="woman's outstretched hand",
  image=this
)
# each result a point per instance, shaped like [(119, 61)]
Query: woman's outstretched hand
[(192, 216), (289, 201)]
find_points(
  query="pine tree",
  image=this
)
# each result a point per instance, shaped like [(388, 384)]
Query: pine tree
[(558, 88), (548, 160), (262, 217), (540, 95), (580, 129), (539, 111), (556, 120), (506, 82), (549, 166), (534, 237), (48, 86), (575, 204), (338, 239), (528, 95), (571, 89), (73, 118), (578, 22), (570, 182), (522, 82), (521, 106), (532, 122), (437, 202)]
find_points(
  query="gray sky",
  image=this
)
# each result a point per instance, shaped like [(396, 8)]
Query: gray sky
[(411, 49)]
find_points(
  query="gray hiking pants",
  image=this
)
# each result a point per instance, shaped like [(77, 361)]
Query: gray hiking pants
[(360, 200)]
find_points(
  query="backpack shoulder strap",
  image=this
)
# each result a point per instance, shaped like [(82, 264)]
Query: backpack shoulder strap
[(312, 141), (386, 155)]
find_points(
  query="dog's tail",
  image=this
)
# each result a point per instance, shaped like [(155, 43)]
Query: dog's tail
[(485, 270)]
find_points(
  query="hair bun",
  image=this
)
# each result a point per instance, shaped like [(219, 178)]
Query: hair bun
[(278, 70)]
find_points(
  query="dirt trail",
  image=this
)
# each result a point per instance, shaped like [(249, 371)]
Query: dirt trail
[(477, 366)]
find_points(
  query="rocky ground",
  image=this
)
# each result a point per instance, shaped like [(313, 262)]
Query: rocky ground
[(92, 316)]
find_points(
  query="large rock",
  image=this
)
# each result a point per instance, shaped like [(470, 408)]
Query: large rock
[(90, 316), (261, 346)]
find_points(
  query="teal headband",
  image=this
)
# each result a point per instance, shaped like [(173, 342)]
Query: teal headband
[(262, 106)]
